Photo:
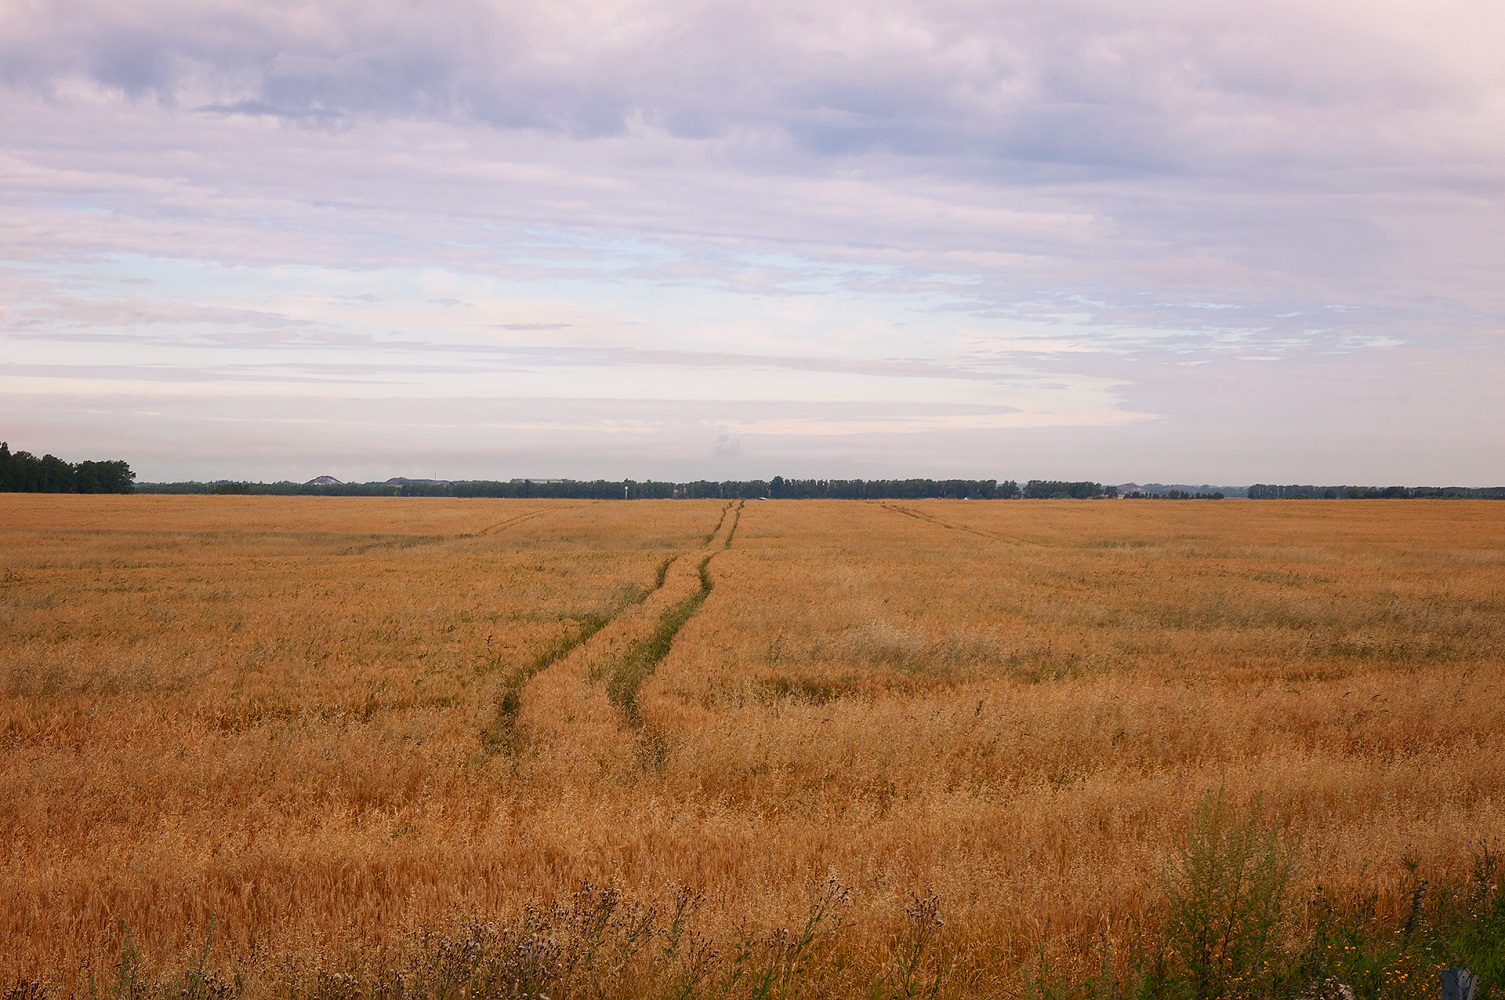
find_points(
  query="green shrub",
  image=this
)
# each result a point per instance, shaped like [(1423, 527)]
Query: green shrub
[(1226, 887)]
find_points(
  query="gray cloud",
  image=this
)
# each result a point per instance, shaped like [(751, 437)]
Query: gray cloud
[(953, 191), (1161, 86), (257, 109)]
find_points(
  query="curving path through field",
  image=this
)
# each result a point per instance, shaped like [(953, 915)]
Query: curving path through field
[(576, 717)]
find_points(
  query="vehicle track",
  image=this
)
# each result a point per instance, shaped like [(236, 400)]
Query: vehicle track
[(642, 658), (922, 516), (509, 522), (501, 732), (412, 541), (588, 694), (967, 528)]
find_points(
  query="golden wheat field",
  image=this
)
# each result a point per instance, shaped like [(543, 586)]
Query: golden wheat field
[(326, 728)]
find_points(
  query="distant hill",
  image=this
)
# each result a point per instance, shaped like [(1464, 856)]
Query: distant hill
[(323, 481)]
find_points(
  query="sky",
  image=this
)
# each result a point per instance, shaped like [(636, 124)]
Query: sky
[(1195, 242)]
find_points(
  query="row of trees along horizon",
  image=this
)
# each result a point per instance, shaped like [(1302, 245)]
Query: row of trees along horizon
[(23, 472), (779, 488), (750, 489)]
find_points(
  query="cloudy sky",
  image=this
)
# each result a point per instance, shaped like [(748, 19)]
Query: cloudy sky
[(1161, 241)]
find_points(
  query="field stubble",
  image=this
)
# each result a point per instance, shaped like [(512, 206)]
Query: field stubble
[(333, 727)]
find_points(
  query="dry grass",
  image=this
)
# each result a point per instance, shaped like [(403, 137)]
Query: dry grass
[(338, 724)]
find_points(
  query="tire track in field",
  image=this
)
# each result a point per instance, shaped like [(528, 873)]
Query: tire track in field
[(411, 541), (719, 521), (555, 699), (641, 659), (932, 519), (501, 732), (967, 528), (519, 519)]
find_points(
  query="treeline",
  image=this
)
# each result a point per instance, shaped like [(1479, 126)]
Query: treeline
[(23, 472), (749, 489), (1263, 491), (1175, 495), (1052, 489), (904, 489)]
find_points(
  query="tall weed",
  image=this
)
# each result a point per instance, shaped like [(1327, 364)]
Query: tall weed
[(1226, 888)]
